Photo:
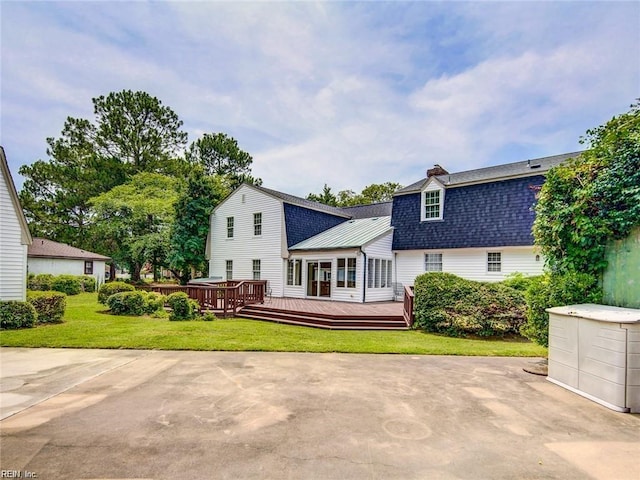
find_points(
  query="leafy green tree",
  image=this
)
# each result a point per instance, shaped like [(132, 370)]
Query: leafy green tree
[(374, 193), (583, 205), (189, 232), (219, 154), (132, 132), (327, 197), (592, 199), (136, 217), (137, 129), (56, 193)]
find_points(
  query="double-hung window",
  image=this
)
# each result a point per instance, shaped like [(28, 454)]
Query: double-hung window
[(432, 262), (494, 261), (432, 204), (229, 267), (230, 223), (88, 267), (257, 224)]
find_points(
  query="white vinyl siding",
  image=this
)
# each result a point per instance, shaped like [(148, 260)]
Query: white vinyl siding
[(13, 254), (470, 263), (246, 246)]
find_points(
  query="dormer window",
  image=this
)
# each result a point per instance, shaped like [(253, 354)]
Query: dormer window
[(432, 202)]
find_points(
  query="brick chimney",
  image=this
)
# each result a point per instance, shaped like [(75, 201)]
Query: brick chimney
[(436, 170)]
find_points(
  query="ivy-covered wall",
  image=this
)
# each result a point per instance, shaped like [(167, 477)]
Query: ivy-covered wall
[(621, 279)]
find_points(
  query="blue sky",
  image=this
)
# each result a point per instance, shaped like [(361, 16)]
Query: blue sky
[(343, 93)]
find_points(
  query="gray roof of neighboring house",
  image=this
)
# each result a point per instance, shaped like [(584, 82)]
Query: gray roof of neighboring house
[(350, 234), (303, 202), (524, 168), (43, 248), (382, 209)]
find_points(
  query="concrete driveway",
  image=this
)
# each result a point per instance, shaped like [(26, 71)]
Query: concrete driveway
[(118, 414)]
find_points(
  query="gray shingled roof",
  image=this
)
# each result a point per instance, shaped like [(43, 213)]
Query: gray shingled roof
[(350, 234), (303, 202), (41, 247), (524, 168), (382, 209)]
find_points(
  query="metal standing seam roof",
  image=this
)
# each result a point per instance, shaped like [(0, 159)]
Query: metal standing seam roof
[(350, 234), (524, 168)]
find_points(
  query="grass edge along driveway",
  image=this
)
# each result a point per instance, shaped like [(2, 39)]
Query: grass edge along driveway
[(87, 325)]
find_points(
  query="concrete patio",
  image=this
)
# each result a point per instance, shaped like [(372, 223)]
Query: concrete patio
[(89, 414)]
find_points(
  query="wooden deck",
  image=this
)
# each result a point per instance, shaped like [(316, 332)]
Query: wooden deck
[(328, 314)]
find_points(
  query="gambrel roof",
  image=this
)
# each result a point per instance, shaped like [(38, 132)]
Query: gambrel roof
[(525, 168)]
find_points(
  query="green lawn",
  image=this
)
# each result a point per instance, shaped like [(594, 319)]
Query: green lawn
[(88, 326)]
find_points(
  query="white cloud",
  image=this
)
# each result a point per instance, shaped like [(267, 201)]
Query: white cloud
[(341, 93)]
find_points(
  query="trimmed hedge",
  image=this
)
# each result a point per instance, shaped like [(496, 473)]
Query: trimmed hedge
[(182, 307), (446, 303), (553, 291), (111, 288), (135, 303), (50, 306), (42, 281), (15, 314), (88, 283), (69, 284)]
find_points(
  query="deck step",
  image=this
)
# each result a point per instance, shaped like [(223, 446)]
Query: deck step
[(321, 320)]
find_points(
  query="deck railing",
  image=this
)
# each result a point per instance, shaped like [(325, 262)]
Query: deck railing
[(224, 298), (408, 306)]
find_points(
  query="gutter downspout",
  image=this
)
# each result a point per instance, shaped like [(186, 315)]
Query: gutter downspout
[(364, 276)]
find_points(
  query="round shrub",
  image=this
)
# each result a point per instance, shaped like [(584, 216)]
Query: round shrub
[(128, 303), (135, 303), (50, 306), (15, 314), (69, 284), (182, 307), (446, 303), (108, 289)]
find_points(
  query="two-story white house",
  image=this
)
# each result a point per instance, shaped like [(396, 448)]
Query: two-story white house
[(476, 224)]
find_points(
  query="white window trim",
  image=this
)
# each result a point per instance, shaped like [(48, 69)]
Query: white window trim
[(441, 261), (432, 185), (347, 269), (231, 229), (257, 224), (494, 272)]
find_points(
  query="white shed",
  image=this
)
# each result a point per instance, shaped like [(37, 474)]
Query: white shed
[(14, 238), (47, 256)]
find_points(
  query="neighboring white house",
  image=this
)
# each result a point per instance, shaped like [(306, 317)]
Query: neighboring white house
[(476, 224), (47, 256), (14, 238)]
